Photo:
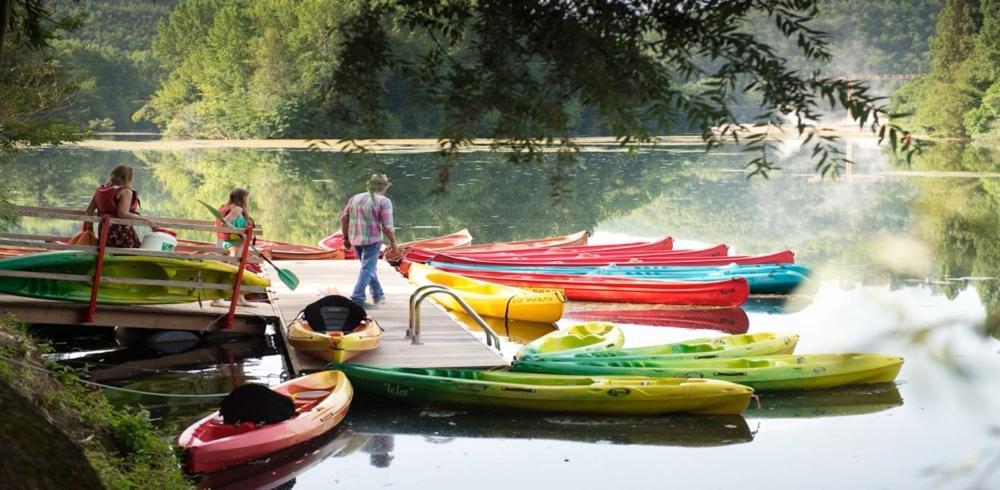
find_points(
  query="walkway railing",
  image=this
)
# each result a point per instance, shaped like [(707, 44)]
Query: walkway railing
[(48, 242), (421, 293)]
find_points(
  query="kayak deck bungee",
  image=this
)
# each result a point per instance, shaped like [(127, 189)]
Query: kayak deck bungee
[(579, 338), (724, 347), (504, 390), (121, 266), (762, 278), (334, 346), (491, 299), (783, 257), (321, 402), (762, 373), (728, 292)]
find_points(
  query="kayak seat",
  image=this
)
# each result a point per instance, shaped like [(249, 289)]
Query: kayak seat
[(257, 404), (334, 313)]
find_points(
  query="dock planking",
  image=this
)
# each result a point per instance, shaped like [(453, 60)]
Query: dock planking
[(444, 341)]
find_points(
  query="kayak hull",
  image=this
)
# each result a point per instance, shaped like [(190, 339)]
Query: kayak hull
[(724, 347), (490, 299), (502, 390), (579, 338), (446, 242), (212, 445), (121, 266), (783, 257), (763, 373), (731, 320), (334, 346)]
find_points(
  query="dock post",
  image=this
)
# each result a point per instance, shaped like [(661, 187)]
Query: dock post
[(247, 238), (102, 245)]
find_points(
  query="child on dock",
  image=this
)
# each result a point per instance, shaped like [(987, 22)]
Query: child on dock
[(236, 215)]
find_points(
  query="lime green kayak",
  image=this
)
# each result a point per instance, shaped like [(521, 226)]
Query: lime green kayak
[(763, 373), (121, 266), (505, 390), (582, 337), (727, 346)]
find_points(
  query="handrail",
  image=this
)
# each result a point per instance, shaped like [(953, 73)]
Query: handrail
[(421, 293), (180, 223)]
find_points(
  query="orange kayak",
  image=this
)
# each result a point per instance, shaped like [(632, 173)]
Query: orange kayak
[(321, 402), (278, 250), (447, 242)]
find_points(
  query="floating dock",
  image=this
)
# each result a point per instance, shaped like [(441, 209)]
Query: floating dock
[(445, 341)]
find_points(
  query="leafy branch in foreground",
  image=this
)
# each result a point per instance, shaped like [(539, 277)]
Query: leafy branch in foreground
[(512, 71)]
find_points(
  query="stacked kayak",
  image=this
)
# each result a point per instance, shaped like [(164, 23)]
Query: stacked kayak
[(334, 346), (647, 258), (504, 390), (728, 320), (121, 267), (321, 402), (762, 373), (446, 242), (278, 250), (725, 347), (728, 292), (490, 299), (762, 278), (578, 339), (421, 254)]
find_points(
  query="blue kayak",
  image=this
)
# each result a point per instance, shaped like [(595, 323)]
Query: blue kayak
[(763, 278)]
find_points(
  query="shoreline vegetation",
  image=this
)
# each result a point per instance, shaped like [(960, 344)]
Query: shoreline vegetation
[(88, 442)]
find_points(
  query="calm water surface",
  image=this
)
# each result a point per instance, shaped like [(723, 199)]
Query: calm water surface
[(906, 259)]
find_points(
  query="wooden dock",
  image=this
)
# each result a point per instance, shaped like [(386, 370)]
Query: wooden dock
[(445, 342)]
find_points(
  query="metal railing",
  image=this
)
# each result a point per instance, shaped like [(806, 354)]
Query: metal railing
[(421, 293)]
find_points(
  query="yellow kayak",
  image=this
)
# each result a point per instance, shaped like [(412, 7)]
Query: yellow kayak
[(334, 346), (578, 339), (489, 299)]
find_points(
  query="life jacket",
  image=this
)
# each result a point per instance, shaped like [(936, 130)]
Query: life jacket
[(224, 210), (104, 198)]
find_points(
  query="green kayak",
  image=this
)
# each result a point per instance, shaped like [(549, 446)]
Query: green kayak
[(549, 393), (579, 338), (120, 266), (763, 373), (727, 346)]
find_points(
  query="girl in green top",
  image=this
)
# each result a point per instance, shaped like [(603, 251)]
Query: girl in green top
[(236, 215)]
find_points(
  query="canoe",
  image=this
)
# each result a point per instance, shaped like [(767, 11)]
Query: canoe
[(724, 347), (504, 390), (763, 373), (420, 254), (121, 267), (579, 338), (729, 292), (555, 254), (490, 299), (334, 346), (664, 258), (321, 402), (458, 239), (728, 320), (573, 239), (763, 278), (278, 250)]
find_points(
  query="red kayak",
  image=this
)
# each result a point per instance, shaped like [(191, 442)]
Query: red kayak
[(730, 320), (731, 292), (447, 242), (576, 239), (664, 245), (321, 402), (663, 258)]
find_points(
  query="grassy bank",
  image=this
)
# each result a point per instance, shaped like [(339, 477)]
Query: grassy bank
[(120, 445)]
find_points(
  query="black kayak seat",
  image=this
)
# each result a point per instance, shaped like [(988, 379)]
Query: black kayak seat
[(334, 313)]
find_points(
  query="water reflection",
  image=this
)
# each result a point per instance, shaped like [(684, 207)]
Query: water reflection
[(728, 320), (375, 417), (847, 400)]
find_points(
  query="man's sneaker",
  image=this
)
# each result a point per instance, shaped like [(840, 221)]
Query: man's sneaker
[(380, 301), (369, 306)]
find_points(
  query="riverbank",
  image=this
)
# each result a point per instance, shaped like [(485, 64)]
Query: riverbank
[(121, 448)]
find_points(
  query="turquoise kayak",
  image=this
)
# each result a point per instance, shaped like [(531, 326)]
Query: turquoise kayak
[(763, 278)]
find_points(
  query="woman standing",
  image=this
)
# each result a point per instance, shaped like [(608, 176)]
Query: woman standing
[(236, 215), (118, 199)]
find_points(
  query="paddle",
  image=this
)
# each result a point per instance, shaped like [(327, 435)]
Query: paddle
[(286, 276)]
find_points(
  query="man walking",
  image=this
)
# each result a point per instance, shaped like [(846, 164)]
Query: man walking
[(364, 221)]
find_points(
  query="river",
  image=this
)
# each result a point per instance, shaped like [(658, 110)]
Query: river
[(906, 260)]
